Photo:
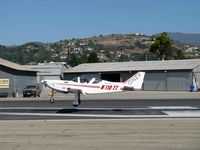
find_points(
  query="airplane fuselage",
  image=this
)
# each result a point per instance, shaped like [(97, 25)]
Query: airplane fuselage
[(93, 86), (85, 88)]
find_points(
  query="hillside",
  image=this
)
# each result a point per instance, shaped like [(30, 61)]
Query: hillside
[(109, 48), (187, 38)]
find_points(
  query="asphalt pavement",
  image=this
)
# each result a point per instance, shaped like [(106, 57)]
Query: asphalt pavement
[(131, 95), (138, 134), (108, 106), (139, 120)]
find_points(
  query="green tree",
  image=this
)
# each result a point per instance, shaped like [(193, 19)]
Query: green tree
[(76, 60), (161, 46), (92, 58), (180, 55), (91, 44)]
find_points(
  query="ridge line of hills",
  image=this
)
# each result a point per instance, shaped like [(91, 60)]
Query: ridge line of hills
[(109, 48)]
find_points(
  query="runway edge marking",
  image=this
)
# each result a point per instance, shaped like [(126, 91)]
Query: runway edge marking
[(172, 107), (168, 115)]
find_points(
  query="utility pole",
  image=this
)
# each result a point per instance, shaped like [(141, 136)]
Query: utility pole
[(146, 56), (121, 56), (68, 55)]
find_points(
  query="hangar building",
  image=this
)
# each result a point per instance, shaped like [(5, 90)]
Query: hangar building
[(52, 71), (170, 75), (14, 78)]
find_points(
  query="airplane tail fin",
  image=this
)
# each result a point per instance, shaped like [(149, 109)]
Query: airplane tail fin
[(135, 81)]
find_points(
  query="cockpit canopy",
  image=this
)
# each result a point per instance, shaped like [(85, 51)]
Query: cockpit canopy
[(86, 80)]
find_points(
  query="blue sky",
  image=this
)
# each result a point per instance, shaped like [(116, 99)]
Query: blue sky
[(24, 21)]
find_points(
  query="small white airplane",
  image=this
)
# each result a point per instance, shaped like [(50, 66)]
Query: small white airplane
[(93, 86)]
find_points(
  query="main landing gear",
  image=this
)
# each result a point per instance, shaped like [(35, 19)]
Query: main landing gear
[(52, 97), (77, 100)]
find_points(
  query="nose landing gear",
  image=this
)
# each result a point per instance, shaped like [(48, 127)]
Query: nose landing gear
[(75, 103)]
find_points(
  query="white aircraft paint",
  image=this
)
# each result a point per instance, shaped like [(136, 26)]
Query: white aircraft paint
[(85, 87)]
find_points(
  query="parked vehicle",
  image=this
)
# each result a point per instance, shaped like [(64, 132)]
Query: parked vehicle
[(31, 90)]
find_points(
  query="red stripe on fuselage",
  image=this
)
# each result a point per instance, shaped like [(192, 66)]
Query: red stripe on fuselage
[(80, 85)]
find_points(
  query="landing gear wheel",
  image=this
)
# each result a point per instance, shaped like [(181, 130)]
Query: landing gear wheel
[(52, 97), (77, 100), (51, 100)]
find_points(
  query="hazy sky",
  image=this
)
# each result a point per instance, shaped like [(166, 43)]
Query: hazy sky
[(24, 21)]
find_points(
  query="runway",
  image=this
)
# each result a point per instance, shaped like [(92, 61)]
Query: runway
[(99, 109), (140, 124)]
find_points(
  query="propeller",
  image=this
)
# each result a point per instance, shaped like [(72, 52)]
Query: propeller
[(44, 82)]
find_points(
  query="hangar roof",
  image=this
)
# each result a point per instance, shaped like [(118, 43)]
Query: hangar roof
[(49, 69), (15, 66), (188, 64)]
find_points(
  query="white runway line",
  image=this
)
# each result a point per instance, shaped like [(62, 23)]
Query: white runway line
[(87, 108), (81, 115), (103, 108), (179, 111), (35, 108), (172, 107), (185, 113)]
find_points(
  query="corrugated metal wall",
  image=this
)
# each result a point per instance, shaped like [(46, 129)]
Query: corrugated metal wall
[(197, 76), (155, 81), (17, 80), (179, 81), (168, 81), (197, 79), (20, 82), (10, 89)]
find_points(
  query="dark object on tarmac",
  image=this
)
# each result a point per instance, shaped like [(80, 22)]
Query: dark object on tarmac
[(3, 94), (31, 90)]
